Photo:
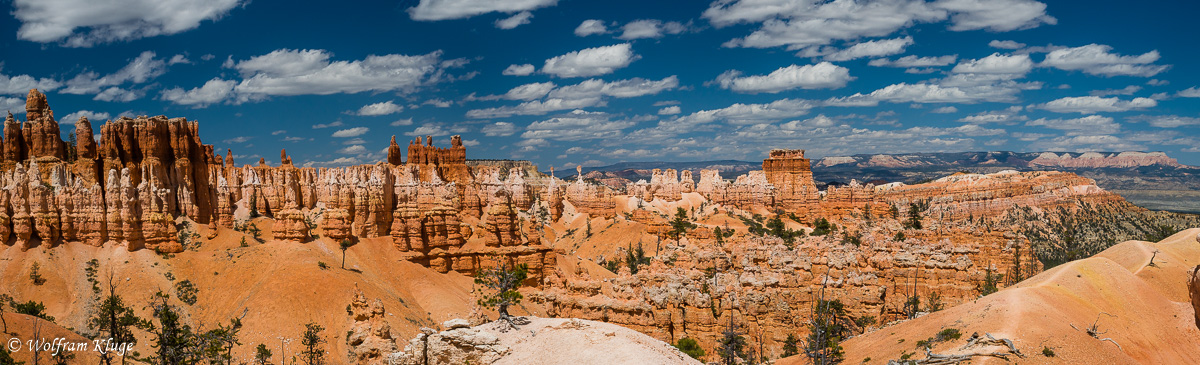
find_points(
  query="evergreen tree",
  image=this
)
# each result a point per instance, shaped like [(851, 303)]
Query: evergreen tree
[(789, 345), (503, 282), (262, 355), (345, 244), (6, 357), (173, 339), (680, 224), (635, 258), (314, 352), (5, 299), (690, 347), (112, 318)]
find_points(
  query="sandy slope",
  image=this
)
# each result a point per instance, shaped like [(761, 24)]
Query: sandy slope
[(1147, 308), (23, 328), (279, 282)]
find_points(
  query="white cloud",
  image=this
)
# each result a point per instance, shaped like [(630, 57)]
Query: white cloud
[(591, 92), (529, 91), (401, 122), (1096, 59), (875, 48), (353, 150), (1090, 125), (20, 84), (575, 126), (457, 9), (84, 23), (311, 72), (534, 107), (1086, 143), (1006, 116), (928, 93), (518, 70), (499, 129), (743, 114), (352, 132), (1167, 121), (914, 61), (629, 88), (278, 132), (995, 15), (381, 108), (823, 75), (428, 129), (649, 28), (996, 64), (1191, 92), (91, 115), (177, 59), (213, 91), (1157, 82), (118, 94), (12, 105), (590, 27), (1005, 44), (670, 110), (800, 24), (328, 125), (591, 61), (945, 110), (239, 139), (139, 70), (1128, 90), (514, 21), (1093, 104)]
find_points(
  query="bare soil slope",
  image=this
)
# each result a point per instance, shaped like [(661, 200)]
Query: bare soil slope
[(1143, 307)]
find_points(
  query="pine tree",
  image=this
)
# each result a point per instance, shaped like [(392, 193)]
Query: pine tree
[(112, 317), (503, 282), (314, 352), (789, 345), (262, 355), (173, 339), (732, 344), (345, 244)]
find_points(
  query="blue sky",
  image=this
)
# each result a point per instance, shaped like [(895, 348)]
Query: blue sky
[(573, 82)]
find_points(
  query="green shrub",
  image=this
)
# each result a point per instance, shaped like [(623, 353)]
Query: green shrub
[(690, 347)]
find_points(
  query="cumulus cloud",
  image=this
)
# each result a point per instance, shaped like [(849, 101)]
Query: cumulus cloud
[(1191, 92), (381, 108), (996, 64), (923, 93), (12, 105), (20, 84), (514, 21), (518, 70), (1086, 143), (945, 110), (823, 75), (1005, 44), (1097, 59), (648, 28), (670, 110), (91, 115), (288, 72), (1005, 116), (430, 10), (353, 150), (401, 122), (591, 61), (84, 23), (875, 48), (590, 27), (1166, 121), (591, 92), (212, 92), (575, 126), (310, 72), (327, 125), (1128, 90), (914, 61), (1094, 104), (428, 129), (499, 129), (352, 132), (800, 24), (141, 69), (743, 114)]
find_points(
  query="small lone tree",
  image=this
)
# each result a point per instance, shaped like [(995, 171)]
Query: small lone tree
[(914, 216), (262, 355), (345, 244), (172, 339), (680, 224), (314, 352), (502, 283), (5, 299), (989, 283), (635, 258)]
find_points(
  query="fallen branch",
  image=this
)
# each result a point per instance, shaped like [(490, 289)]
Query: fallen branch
[(975, 340), (1094, 330)]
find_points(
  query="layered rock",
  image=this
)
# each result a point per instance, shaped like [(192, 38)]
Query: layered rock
[(1103, 160), (369, 337), (1194, 290)]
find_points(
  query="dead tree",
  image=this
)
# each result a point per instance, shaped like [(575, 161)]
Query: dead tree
[(1094, 331), (975, 341)]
